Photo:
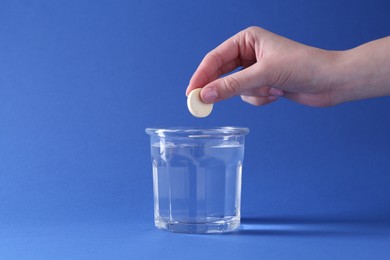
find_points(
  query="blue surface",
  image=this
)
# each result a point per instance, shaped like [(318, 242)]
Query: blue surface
[(278, 239), (81, 80)]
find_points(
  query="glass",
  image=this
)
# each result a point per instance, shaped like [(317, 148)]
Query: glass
[(197, 178)]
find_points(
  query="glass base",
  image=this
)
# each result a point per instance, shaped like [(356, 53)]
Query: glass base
[(211, 225)]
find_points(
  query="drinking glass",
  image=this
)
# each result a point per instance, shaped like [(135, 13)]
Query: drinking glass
[(197, 178)]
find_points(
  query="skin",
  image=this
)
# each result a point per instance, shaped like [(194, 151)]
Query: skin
[(273, 66)]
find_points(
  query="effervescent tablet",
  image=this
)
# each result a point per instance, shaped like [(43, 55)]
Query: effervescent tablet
[(196, 106)]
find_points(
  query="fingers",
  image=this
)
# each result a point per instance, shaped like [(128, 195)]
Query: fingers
[(238, 51), (259, 101), (233, 85), (202, 76), (261, 96), (223, 59), (264, 91)]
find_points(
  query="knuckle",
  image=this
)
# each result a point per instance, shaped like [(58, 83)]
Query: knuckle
[(231, 85), (252, 28), (262, 91), (213, 58)]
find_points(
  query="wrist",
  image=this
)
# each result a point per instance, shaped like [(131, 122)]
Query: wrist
[(362, 72), (331, 75)]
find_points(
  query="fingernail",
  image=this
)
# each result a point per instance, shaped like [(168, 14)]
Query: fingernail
[(275, 92), (209, 95)]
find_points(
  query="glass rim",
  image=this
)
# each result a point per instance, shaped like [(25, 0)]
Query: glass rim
[(193, 132)]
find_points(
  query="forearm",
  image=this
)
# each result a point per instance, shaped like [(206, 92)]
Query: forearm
[(363, 72)]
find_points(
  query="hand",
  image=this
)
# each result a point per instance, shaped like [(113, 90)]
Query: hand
[(273, 66)]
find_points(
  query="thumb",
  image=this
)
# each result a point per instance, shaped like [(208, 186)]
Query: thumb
[(232, 85)]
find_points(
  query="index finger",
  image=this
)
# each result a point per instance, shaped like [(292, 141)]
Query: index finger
[(221, 60)]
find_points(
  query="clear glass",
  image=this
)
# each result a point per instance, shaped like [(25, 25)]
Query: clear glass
[(197, 178)]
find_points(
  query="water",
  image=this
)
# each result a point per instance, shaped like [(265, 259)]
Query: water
[(197, 188)]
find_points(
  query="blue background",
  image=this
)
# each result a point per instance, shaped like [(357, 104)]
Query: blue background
[(81, 80)]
